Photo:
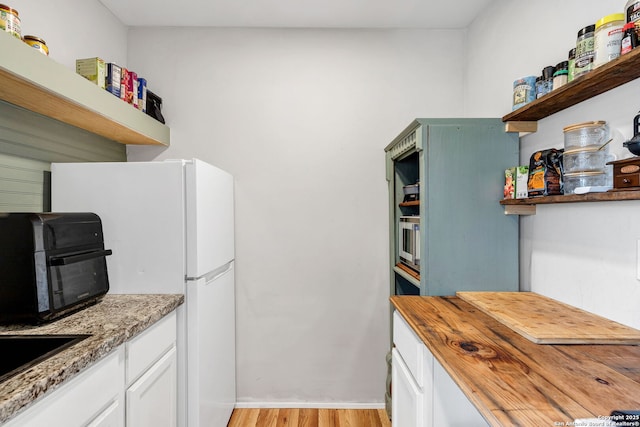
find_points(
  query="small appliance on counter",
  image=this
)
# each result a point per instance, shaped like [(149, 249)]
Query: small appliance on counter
[(51, 264)]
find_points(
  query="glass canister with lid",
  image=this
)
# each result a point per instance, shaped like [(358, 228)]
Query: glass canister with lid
[(587, 135)]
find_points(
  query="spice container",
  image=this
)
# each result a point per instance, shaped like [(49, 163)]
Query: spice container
[(546, 83), (561, 75), (37, 43), (607, 37), (584, 51), (10, 21)]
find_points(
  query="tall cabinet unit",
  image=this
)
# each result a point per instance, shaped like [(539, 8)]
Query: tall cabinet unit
[(465, 241)]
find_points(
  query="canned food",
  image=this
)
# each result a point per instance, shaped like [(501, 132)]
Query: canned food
[(36, 43), (10, 21)]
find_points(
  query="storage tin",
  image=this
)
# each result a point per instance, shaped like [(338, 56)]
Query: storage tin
[(37, 43), (607, 38), (524, 91), (585, 135), (10, 21)]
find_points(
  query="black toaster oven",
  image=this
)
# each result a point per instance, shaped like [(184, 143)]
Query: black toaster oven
[(50, 265)]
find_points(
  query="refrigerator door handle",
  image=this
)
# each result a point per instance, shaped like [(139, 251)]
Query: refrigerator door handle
[(214, 274)]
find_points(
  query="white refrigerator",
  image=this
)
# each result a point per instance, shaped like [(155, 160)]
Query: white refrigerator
[(170, 225)]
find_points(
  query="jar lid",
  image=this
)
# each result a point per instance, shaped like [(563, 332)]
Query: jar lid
[(610, 18), (8, 9), (586, 30), (547, 72), (584, 174), (577, 126), (34, 38), (589, 149)]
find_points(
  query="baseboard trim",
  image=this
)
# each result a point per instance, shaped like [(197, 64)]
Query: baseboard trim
[(311, 405)]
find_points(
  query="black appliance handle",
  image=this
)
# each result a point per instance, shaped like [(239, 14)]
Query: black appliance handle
[(70, 259)]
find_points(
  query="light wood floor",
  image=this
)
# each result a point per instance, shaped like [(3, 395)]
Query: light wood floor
[(291, 417)]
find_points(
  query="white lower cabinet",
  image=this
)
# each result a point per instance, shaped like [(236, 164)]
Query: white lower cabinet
[(151, 376), (151, 401), (134, 386), (423, 394), (95, 397)]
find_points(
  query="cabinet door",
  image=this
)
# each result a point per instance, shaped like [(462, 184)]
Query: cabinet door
[(152, 400), (451, 408), (86, 399), (110, 417), (406, 397)]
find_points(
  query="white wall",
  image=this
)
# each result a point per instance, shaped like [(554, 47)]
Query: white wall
[(583, 254), (74, 29), (301, 118)]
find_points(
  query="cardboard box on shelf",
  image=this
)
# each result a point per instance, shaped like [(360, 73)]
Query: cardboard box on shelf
[(92, 69)]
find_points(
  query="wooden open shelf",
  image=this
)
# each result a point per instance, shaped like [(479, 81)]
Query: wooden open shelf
[(576, 198), (604, 78), (411, 203), (37, 83)]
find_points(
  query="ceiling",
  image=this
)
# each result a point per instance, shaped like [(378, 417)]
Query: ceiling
[(433, 14)]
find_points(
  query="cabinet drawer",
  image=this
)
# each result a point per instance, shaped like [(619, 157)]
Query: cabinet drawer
[(148, 347), (410, 347), (624, 181)]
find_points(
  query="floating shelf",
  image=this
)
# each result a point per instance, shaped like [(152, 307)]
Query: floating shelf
[(411, 203), (37, 83), (569, 198), (604, 78)]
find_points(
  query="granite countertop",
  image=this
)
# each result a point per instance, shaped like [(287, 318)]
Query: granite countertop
[(515, 382), (111, 322)]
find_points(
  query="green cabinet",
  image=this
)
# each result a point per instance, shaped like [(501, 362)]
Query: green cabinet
[(466, 242)]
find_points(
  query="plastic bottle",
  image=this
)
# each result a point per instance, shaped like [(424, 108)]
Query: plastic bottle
[(607, 36), (629, 38), (584, 50)]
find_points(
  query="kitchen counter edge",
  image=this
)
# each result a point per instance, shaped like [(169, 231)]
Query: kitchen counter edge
[(513, 381), (111, 322)]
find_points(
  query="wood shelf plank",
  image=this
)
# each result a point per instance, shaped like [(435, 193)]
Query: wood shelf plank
[(576, 198), (35, 82), (604, 78)]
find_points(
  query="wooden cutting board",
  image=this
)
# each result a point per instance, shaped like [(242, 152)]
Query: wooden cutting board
[(544, 320)]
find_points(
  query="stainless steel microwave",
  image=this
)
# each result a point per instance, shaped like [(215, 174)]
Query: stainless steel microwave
[(409, 241)]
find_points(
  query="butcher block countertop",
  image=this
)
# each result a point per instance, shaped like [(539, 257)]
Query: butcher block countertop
[(111, 322), (514, 382)]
